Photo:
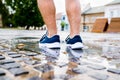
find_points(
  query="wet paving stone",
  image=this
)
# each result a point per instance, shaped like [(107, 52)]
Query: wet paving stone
[(10, 65), (4, 50), (62, 64), (15, 55), (79, 70), (23, 58), (5, 78), (83, 63), (57, 79), (35, 78), (2, 57), (39, 68), (2, 73), (44, 68), (18, 71), (96, 67), (31, 54), (6, 61), (99, 76), (32, 62), (65, 77), (59, 76), (11, 53), (116, 71)]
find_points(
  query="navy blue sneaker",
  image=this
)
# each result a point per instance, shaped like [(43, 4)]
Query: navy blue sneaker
[(52, 42), (75, 42)]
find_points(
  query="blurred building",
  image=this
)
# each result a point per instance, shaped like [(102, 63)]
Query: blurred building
[(62, 17), (89, 16), (112, 10)]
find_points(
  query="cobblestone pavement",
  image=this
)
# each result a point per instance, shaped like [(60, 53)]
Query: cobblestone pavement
[(21, 59)]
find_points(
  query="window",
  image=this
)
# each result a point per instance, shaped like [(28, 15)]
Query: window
[(85, 28), (63, 17)]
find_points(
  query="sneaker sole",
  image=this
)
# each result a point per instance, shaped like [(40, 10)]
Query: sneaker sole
[(77, 45), (55, 45)]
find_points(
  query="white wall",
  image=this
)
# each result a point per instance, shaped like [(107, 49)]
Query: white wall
[(112, 11)]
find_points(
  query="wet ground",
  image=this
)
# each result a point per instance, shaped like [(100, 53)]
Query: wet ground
[(21, 59)]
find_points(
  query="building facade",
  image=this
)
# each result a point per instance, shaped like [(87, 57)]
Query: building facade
[(112, 10), (90, 14), (89, 17)]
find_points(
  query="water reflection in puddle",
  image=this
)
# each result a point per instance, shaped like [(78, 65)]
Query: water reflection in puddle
[(57, 65), (95, 54)]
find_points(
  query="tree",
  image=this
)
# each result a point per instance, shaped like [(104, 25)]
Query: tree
[(25, 13), (62, 25), (4, 12)]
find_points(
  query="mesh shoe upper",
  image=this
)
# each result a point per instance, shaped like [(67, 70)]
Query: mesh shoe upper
[(53, 39), (73, 40)]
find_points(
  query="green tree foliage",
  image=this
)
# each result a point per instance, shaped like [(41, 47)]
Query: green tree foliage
[(63, 23), (26, 13), (4, 12)]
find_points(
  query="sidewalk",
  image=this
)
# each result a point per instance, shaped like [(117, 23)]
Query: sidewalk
[(91, 65), (92, 39)]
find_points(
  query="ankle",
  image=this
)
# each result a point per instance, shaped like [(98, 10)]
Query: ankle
[(51, 35), (73, 35)]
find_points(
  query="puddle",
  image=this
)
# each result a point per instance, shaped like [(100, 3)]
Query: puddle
[(53, 64), (26, 43), (94, 55)]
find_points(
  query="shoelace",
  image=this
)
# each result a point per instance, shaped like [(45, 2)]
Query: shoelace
[(67, 38), (43, 36)]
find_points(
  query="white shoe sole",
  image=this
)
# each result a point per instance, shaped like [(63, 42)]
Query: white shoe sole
[(77, 45), (50, 45)]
